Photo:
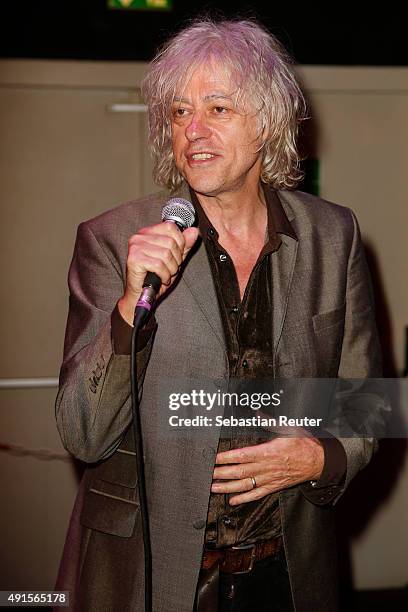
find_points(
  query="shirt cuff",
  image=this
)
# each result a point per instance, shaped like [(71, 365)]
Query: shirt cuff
[(122, 333), (328, 486)]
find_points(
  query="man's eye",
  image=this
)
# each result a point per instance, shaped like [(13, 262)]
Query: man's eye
[(179, 112), (220, 110)]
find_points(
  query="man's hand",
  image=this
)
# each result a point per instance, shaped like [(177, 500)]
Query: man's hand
[(160, 248), (275, 465)]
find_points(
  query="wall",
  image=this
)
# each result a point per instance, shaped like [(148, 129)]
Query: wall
[(66, 157)]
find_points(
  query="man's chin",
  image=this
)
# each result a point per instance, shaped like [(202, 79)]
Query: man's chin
[(205, 188)]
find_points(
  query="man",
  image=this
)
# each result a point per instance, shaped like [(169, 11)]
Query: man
[(272, 283)]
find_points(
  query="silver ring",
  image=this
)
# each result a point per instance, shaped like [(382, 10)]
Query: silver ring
[(254, 485)]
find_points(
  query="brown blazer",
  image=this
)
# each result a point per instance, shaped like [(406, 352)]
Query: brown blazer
[(323, 326)]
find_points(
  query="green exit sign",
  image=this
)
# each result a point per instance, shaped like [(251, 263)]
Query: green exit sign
[(141, 5)]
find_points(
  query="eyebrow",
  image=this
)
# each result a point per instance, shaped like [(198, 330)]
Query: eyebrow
[(215, 96)]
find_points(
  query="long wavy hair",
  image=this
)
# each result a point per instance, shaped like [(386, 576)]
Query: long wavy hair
[(259, 67)]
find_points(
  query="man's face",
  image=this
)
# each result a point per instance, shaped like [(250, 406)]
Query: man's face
[(215, 142)]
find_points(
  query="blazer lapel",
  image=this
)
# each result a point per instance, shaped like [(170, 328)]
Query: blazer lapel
[(283, 264), (198, 279)]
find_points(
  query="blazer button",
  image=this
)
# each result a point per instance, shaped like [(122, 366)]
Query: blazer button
[(199, 524), (97, 372)]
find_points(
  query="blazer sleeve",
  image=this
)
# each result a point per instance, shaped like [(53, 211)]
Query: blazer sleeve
[(360, 361), (93, 405)]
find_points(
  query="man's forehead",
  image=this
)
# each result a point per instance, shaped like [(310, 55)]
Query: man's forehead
[(211, 80)]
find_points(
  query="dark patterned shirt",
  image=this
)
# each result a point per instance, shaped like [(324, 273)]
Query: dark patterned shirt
[(247, 330)]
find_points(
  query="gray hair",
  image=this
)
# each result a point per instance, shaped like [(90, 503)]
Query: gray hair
[(257, 63)]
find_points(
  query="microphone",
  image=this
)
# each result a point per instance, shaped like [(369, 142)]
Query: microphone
[(181, 213)]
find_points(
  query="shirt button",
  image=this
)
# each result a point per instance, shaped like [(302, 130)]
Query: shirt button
[(211, 231), (245, 315), (245, 364), (223, 257), (235, 309), (227, 521)]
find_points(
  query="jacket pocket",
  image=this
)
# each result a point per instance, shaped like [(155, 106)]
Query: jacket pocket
[(119, 469), (110, 508), (329, 318), (328, 341)]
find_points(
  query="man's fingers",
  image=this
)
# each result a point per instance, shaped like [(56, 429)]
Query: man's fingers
[(276, 465), (236, 471), (243, 455), (156, 245), (245, 488), (152, 258), (159, 248), (172, 240), (233, 486), (164, 229), (249, 496), (190, 235)]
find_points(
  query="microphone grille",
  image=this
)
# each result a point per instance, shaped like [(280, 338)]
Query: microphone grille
[(179, 211)]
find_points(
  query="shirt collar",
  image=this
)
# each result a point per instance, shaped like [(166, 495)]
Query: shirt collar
[(278, 222), (276, 214)]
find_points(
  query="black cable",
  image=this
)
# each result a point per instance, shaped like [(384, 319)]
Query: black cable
[(181, 212), (141, 481)]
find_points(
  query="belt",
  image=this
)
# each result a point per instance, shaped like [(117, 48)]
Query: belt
[(240, 559)]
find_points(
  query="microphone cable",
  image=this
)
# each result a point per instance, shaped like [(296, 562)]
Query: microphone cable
[(182, 213), (141, 480)]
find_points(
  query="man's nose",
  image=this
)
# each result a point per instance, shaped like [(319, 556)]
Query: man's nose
[(197, 128)]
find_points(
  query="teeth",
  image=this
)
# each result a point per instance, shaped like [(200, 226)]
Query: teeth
[(202, 156)]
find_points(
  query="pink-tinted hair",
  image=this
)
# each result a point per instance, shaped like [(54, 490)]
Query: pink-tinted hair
[(262, 71)]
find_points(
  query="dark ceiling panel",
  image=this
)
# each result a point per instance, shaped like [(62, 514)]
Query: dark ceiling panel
[(89, 30)]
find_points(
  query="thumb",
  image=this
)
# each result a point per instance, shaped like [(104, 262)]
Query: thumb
[(190, 236)]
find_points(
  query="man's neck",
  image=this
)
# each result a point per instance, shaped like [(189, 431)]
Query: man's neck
[(236, 215)]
